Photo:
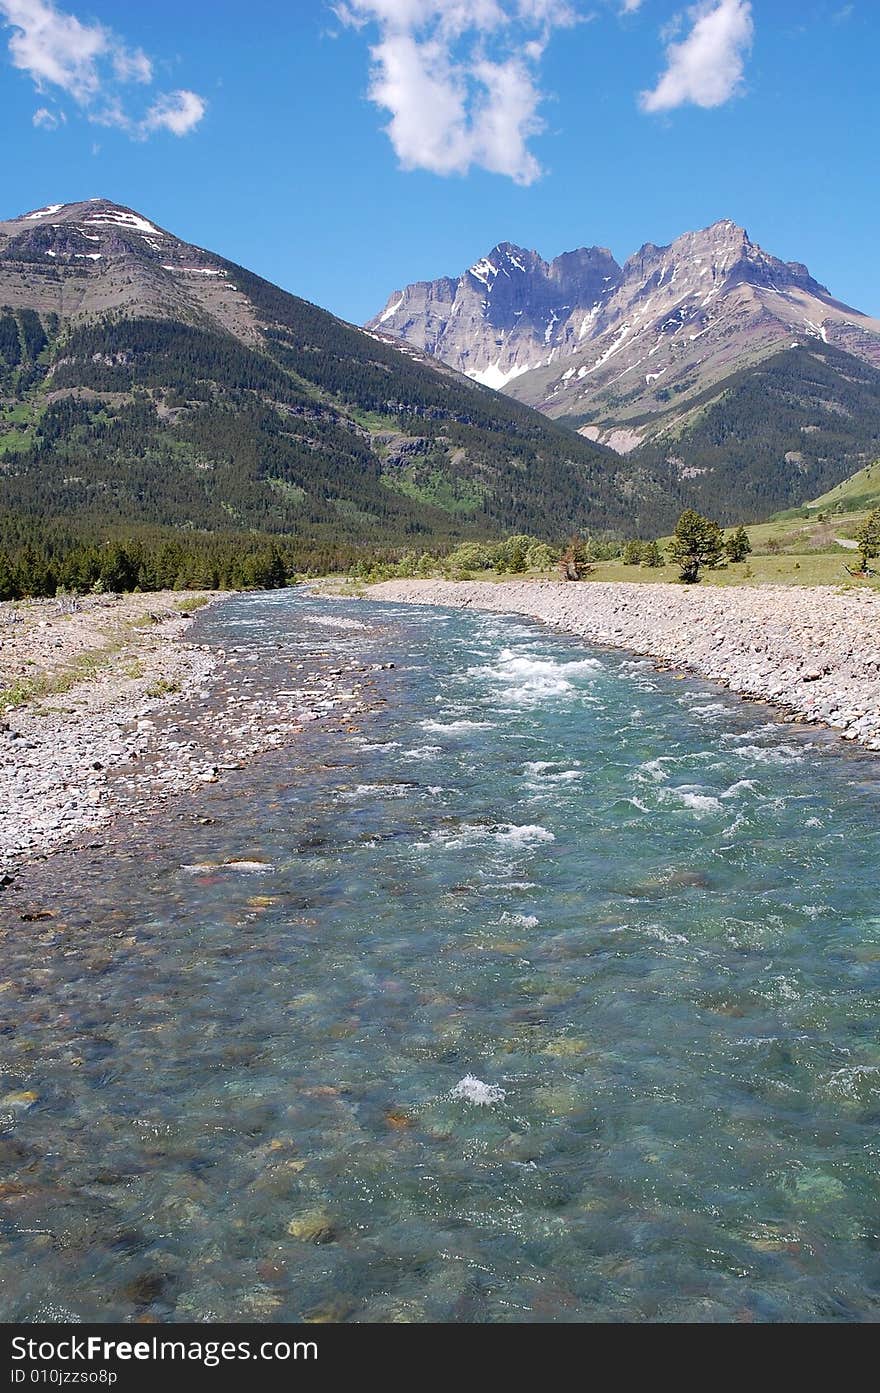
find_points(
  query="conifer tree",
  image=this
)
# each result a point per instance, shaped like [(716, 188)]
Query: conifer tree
[(868, 538), (632, 554), (737, 545), (697, 543), (652, 555)]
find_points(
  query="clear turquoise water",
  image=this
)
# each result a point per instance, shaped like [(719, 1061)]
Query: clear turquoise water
[(643, 916)]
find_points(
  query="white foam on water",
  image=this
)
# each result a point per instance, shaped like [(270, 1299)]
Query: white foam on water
[(665, 935), (522, 921), (742, 785), (423, 752), (652, 770), (548, 771), (531, 834), (782, 988), (708, 711), (771, 754), (527, 681), (456, 727), (242, 867), (853, 1080), (376, 791), (332, 622), (470, 1089), (506, 835), (691, 797)]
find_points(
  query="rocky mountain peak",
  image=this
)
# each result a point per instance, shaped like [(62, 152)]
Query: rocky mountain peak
[(506, 260), (95, 255), (98, 216), (589, 341), (500, 316), (93, 230), (81, 211)]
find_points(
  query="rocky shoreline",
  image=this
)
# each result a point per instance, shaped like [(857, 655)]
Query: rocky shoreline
[(111, 711), (813, 653)]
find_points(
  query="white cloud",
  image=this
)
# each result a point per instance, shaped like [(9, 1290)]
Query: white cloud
[(48, 120), (629, 7), (57, 49), (132, 67), (88, 62), (458, 79), (178, 112), (706, 67)]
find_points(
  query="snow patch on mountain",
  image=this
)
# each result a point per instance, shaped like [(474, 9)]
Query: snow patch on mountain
[(116, 217), (43, 212), (495, 376), (391, 310)]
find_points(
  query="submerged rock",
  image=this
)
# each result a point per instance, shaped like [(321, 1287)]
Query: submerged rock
[(313, 1226), (20, 1098)]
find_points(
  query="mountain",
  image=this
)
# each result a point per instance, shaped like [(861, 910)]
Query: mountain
[(771, 436), (623, 354), (148, 383), (510, 312)]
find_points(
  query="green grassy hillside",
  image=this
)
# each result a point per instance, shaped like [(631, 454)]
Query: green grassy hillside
[(772, 436)]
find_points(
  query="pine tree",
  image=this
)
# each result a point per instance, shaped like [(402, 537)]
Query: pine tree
[(632, 554), (868, 538), (576, 560), (697, 543), (737, 545), (8, 584)]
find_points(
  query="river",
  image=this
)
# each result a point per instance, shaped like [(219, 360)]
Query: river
[(550, 994)]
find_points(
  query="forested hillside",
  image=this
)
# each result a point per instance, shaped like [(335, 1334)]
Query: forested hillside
[(773, 436), (289, 425)]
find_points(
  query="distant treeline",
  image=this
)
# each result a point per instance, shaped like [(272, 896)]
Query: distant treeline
[(44, 561)]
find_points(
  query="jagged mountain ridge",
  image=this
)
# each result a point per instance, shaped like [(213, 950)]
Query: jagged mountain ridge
[(503, 312), (622, 362), (144, 380)]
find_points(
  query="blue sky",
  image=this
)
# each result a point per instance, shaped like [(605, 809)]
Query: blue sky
[(261, 131)]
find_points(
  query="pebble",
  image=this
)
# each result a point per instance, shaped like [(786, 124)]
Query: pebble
[(109, 750)]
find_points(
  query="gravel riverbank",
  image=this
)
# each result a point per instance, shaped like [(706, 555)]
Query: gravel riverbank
[(812, 652), (110, 711)]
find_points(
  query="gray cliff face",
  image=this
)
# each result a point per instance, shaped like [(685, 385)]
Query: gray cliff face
[(504, 314), (621, 352)]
